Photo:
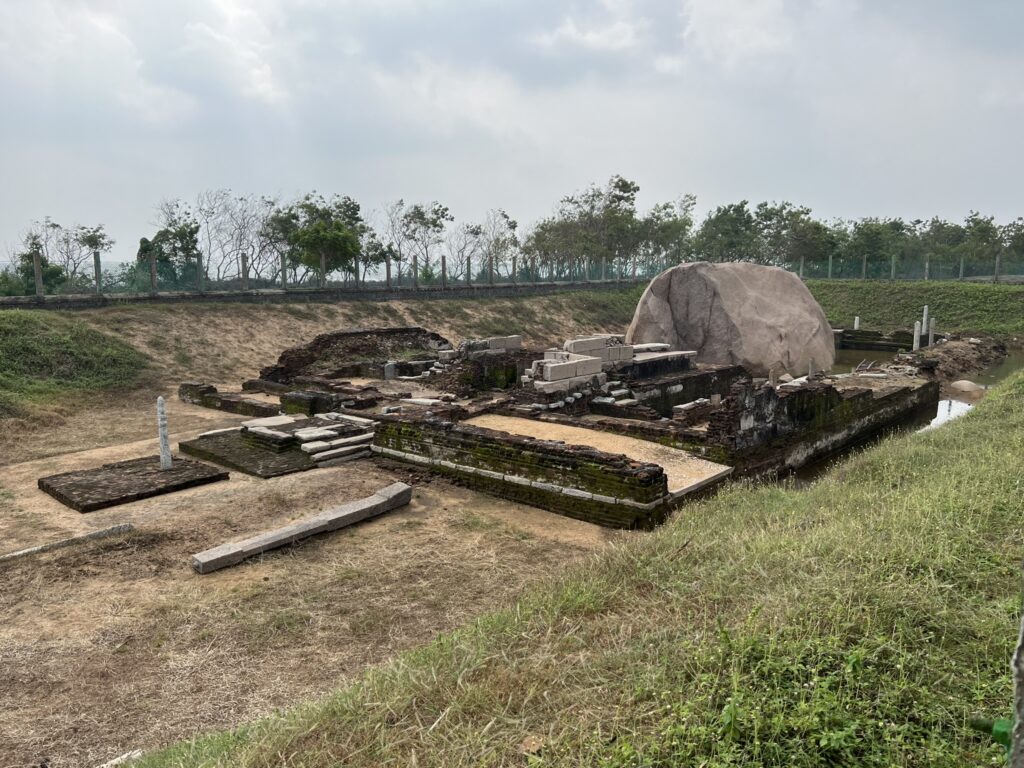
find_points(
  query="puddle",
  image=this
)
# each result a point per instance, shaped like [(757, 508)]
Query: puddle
[(947, 411)]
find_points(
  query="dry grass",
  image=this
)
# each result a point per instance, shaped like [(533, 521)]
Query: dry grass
[(858, 622), (118, 644)]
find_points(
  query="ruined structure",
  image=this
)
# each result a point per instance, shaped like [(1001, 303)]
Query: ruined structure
[(599, 429)]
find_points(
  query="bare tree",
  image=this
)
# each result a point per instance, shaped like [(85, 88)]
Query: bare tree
[(500, 244)]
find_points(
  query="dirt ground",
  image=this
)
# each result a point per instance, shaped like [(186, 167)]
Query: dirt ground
[(118, 644)]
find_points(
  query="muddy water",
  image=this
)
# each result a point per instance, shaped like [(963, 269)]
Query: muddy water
[(951, 409)]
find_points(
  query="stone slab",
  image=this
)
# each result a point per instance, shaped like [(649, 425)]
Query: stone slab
[(234, 451), (122, 482), (384, 500), (270, 421), (326, 445), (338, 452), (310, 434)]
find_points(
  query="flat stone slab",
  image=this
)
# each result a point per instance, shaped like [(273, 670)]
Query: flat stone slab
[(384, 500), (233, 450), (88, 490)]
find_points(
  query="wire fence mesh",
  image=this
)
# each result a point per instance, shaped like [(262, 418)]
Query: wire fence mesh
[(20, 277)]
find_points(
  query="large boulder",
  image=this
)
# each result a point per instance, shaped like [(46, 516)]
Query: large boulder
[(736, 313)]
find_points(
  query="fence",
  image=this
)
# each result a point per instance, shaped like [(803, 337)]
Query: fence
[(24, 283)]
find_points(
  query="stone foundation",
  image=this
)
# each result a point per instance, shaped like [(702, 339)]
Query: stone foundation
[(576, 481)]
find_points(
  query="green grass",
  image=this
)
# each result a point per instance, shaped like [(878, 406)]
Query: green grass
[(885, 305), (858, 622), (47, 354)]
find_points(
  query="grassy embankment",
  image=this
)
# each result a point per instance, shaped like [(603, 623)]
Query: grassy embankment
[(857, 622), (967, 307), (44, 355)]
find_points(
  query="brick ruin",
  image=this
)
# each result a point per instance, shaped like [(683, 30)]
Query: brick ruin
[(408, 395)]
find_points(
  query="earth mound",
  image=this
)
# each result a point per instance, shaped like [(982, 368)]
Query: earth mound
[(762, 318)]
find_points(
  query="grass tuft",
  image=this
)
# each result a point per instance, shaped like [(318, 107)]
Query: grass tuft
[(46, 354)]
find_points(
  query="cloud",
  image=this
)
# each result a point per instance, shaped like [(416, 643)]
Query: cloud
[(730, 32), (616, 35), (852, 108)]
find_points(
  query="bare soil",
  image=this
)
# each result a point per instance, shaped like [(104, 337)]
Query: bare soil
[(117, 644)]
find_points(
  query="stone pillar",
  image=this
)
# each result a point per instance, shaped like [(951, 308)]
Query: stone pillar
[(917, 335), (161, 426), (931, 331), (856, 323), (811, 369), (924, 320), (97, 271)]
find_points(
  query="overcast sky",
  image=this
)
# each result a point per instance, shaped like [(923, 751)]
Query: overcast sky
[(878, 107)]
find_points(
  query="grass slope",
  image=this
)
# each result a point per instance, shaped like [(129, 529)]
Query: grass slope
[(46, 354), (885, 305), (858, 622)]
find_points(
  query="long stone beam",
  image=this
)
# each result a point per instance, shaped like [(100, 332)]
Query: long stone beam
[(384, 500)]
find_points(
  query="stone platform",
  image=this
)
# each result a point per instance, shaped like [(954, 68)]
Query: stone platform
[(88, 490)]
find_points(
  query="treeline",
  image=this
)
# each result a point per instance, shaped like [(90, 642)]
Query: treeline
[(222, 240)]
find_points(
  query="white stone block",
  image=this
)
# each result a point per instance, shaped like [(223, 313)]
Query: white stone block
[(588, 366), (559, 371)]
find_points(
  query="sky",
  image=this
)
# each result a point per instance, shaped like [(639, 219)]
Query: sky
[(907, 108)]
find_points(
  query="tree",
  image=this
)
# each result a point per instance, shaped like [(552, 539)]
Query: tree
[(22, 279), (498, 242), (729, 233), (423, 228)]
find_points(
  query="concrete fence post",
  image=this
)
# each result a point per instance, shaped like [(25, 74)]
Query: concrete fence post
[(917, 335), (856, 323), (37, 272), (830, 266), (97, 271), (152, 270), (931, 331), (924, 320)]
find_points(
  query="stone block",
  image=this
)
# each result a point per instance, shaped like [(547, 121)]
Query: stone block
[(652, 347), (270, 421), (588, 366), (559, 371), (310, 434), (586, 344), (568, 385), (448, 355), (346, 450)]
